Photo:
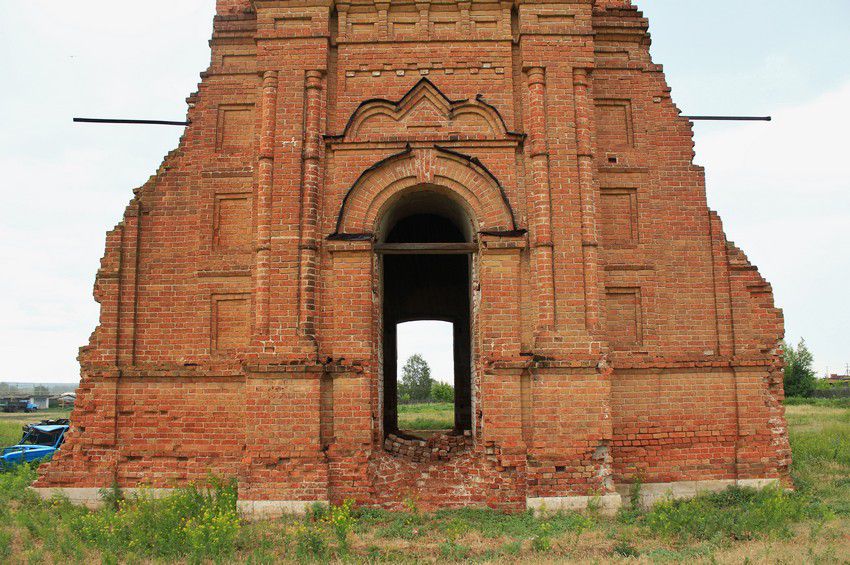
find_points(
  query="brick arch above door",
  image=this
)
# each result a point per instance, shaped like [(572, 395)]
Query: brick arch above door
[(460, 177)]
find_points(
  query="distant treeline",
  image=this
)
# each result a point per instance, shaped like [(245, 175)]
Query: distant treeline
[(21, 389), (417, 386)]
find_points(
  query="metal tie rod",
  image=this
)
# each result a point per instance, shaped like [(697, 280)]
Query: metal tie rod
[(126, 121), (730, 118), (186, 123)]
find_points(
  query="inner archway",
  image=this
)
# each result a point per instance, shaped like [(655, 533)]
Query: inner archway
[(425, 241)]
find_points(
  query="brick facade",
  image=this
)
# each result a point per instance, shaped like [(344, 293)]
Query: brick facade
[(615, 332)]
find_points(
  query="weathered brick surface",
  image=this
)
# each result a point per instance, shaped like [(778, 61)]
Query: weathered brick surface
[(616, 333)]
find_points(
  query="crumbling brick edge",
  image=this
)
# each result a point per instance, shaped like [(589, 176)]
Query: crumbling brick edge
[(607, 504)]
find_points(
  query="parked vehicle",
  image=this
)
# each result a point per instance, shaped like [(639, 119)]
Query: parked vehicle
[(19, 405), (38, 442)]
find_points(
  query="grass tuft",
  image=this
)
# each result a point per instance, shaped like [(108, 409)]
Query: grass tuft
[(737, 513), (493, 524)]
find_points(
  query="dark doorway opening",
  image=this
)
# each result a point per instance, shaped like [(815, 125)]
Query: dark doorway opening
[(422, 283)]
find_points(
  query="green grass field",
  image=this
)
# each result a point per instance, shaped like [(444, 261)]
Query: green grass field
[(810, 525), (435, 416)]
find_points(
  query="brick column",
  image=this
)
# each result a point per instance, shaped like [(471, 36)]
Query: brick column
[(722, 298), (264, 204), (539, 205), (90, 460), (500, 309), (500, 398), (342, 14), (283, 467), (424, 7), (465, 19), (116, 292), (761, 450), (589, 234), (383, 16), (128, 285), (310, 206)]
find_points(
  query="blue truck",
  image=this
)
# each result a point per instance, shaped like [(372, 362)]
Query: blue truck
[(39, 441), (18, 405)]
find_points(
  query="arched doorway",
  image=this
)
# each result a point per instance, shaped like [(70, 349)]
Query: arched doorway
[(425, 240)]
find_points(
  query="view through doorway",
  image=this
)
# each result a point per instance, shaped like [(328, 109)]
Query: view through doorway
[(426, 379)]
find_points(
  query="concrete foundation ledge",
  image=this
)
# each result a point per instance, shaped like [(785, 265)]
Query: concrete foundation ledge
[(90, 497), (607, 504), (650, 493), (251, 509), (263, 509)]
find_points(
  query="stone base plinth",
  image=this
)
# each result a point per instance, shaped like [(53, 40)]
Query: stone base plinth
[(91, 497), (650, 493), (267, 509), (607, 504)]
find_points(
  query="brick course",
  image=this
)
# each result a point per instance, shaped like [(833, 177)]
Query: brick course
[(616, 333)]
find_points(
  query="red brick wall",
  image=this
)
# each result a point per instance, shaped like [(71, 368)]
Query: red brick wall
[(616, 333), (228, 7), (674, 425), (170, 432)]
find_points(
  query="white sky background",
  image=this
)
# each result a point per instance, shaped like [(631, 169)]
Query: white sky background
[(781, 188), (431, 339)]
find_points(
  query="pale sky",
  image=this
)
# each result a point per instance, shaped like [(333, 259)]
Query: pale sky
[(781, 188)]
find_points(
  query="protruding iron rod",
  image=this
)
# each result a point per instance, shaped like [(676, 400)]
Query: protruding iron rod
[(124, 121), (186, 123), (730, 118)]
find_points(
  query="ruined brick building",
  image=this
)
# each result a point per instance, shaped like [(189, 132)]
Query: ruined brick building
[(515, 167)]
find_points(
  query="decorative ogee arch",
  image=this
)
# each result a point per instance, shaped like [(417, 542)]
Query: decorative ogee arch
[(425, 112)]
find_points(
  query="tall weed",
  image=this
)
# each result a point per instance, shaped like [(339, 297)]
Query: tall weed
[(191, 522), (737, 513), (5, 544), (15, 480), (323, 523)]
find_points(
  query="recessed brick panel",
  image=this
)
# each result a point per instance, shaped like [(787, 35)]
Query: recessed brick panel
[(232, 222), (231, 322), (238, 61), (619, 216), (614, 124), (625, 315), (235, 128)]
